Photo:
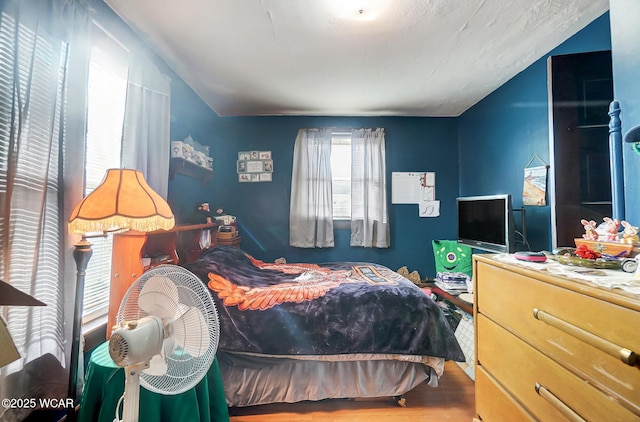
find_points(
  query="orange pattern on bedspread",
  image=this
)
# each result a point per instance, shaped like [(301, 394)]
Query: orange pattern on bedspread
[(297, 268), (309, 285)]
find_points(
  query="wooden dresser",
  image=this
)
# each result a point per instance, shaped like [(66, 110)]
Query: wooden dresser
[(551, 348)]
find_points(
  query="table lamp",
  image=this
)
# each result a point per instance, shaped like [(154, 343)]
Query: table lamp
[(122, 201)]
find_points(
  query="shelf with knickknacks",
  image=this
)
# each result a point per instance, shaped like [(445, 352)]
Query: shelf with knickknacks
[(191, 159), (187, 168), (604, 246)]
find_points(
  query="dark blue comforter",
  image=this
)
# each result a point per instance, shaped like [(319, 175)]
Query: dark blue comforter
[(321, 309)]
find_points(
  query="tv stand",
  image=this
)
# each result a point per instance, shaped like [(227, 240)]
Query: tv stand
[(523, 223)]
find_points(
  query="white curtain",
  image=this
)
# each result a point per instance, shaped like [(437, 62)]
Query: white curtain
[(44, 56), (311, 210), (369, 219), (145, 136)]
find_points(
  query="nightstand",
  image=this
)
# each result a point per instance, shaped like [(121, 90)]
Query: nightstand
[(235, 241)]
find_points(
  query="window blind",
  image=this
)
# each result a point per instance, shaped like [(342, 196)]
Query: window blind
[(32, 70)]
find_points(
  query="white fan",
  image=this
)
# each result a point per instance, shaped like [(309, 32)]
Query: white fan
[(166, 336)]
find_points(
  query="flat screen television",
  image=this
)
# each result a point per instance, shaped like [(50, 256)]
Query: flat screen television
[(486, 223)]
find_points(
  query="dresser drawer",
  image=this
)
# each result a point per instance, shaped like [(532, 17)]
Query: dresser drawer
[(509, 299), (519, 368), (494, 403)]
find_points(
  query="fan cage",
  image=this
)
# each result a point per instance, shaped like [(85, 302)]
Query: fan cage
[(183, 370)]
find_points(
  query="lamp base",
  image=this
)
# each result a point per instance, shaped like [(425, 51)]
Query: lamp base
[(81, 254)]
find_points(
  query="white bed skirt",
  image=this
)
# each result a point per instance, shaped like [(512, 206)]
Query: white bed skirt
[(253, 380)]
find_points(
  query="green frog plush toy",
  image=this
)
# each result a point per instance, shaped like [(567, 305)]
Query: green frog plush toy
[(452, 257)]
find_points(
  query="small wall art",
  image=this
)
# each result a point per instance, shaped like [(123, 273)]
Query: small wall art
[(534, 191), (255, 166)]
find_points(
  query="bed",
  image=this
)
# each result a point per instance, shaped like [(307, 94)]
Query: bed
[(296, 332)]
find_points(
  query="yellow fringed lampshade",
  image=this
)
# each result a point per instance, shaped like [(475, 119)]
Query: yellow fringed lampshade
[(123, 200)]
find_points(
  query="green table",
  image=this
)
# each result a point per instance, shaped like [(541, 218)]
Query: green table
[(104, 385)]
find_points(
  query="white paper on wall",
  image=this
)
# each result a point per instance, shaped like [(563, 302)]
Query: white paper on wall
[(429, 209), (412, 187)]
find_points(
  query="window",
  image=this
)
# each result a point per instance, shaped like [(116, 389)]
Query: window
[(106, 101), (341, 175), (338, 179), (32, 71)]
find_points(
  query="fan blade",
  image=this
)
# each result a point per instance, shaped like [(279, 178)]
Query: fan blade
[(191, 332), (157, 366), (182, 308), (159, 297)]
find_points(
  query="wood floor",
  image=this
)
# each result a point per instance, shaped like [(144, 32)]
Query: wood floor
[(453, 400)]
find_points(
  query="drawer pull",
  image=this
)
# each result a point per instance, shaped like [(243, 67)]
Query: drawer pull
[(558, 404), (625, 355)]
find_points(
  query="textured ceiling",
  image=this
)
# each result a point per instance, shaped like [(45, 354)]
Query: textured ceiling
[(374, 58)]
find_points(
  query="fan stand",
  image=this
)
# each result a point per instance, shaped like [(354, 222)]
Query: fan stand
[(131, 396), (166, 308)]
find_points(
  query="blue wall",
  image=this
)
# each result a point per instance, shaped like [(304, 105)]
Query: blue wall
[(500, 134), (483, 151), (625, 51), (190, 116), (412, 144)]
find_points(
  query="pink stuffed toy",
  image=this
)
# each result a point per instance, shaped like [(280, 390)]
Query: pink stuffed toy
[(612, 227), (590, 230)]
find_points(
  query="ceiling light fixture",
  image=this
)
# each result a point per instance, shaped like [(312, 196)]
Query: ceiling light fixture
[(358, 10)]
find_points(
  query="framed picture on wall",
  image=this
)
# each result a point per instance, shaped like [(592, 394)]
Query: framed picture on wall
[(255, 166)]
